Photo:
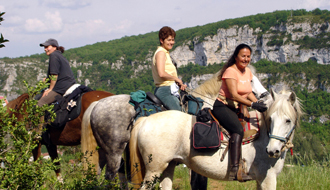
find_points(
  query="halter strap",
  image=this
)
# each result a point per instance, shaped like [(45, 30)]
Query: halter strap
[(283, 139)]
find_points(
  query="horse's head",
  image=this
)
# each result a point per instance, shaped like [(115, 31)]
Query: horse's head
[(17, 104), (282, 118)]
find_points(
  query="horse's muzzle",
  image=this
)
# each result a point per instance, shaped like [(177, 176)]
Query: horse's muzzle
[(273, 153)]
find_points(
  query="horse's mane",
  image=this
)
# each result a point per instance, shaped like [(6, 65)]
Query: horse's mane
[(209, 87), (17, 103), (283, 106)]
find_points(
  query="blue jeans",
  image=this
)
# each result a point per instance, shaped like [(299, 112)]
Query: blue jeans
[(163, 93)]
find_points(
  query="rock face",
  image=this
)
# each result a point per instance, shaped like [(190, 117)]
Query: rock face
[(218, 48), (210, 50)]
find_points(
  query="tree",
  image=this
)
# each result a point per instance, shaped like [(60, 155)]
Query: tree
[(2, 39)]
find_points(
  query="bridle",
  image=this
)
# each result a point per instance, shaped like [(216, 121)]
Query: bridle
[(286, 140)]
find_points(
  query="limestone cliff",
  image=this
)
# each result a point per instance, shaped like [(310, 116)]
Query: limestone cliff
[(218, 48)]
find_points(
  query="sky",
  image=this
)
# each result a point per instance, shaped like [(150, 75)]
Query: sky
[(76, 23)]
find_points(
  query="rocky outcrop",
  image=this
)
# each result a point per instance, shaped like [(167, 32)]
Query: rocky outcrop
[(198, 80), (218, 48)]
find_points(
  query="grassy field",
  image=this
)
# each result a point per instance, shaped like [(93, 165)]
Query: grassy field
[(295, 178), (311, 175)]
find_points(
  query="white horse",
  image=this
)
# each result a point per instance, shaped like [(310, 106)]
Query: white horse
[(161, 140)]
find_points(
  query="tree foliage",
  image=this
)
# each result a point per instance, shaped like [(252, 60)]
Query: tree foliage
[(18, 137), (2, 39)]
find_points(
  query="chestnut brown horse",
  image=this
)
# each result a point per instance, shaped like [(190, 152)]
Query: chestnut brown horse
[(70, 135)]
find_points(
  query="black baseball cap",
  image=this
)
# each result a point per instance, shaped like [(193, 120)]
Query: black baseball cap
[(49, 42)]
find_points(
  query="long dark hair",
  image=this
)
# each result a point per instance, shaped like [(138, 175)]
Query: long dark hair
[(231, 61)]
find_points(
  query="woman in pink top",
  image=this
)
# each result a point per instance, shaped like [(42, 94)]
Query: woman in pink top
[(236, 87)]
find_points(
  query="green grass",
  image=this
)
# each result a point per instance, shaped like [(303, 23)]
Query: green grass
[(315, 176), (312, 176)]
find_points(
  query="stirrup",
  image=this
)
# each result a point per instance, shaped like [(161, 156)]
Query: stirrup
[(241, 175)]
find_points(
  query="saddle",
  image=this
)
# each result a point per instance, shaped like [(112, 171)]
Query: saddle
[(68, 107), (145, 104), (249, 124)]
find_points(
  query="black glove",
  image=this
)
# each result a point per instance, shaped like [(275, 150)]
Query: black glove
[(260, 106)]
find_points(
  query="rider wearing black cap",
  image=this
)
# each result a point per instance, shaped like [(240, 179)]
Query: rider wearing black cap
[(59, 72)]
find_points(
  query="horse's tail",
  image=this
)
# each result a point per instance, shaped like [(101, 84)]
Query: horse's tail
[(88, 142), (136, 162)]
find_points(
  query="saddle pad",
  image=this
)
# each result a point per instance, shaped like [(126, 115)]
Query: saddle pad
[(251, 129), (70, 90), (75, 112)]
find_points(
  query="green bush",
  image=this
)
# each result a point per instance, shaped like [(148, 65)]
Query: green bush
[(18, 137)]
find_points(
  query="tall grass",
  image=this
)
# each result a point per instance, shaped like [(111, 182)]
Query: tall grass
[(305, 174)]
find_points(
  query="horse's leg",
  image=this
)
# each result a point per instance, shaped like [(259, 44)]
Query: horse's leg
[(52, 150), (122, 177), (154, 169), (197, 181), (166, 179), (121, 171), (36, 152), (102, 160), (268, 182), (114, 156)]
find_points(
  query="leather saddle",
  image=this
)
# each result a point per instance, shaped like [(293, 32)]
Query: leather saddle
[(155, 100), (244, 118)]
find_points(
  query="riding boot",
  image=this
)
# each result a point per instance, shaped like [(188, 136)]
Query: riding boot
[(235, 157)]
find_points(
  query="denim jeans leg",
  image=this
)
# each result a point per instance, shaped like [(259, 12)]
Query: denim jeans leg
[(163, 93)]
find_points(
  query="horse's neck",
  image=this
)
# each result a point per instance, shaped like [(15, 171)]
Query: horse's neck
[(18, 102), (208, 91)]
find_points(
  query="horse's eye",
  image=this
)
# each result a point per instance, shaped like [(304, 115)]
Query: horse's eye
[(288, 121)]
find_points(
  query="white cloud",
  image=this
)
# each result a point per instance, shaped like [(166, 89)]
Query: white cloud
[(66, 4), (2, 8), (51, 23), (13, 21), (94, 28), (313, 4), (123, 25)]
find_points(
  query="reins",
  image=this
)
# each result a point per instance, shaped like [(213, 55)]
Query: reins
[(202, 95)]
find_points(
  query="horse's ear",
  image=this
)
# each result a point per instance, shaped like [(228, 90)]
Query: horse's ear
[(273, 94), (292, 98)]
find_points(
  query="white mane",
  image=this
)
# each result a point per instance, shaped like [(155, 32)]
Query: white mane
[(284, 107)]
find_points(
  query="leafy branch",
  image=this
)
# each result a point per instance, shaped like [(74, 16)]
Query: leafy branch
[(2, 39)]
